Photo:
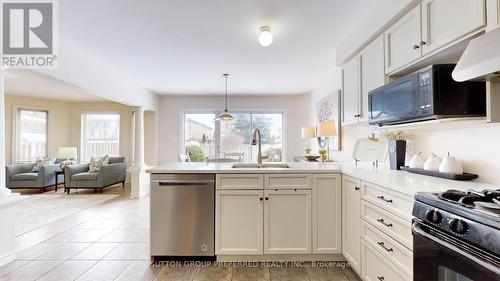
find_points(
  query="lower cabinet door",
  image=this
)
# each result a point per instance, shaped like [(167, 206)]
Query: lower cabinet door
[(351, 221), (238, 222), (287, 221), (326, 214)]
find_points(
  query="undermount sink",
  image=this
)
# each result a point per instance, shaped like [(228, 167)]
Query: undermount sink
[(257, 166)]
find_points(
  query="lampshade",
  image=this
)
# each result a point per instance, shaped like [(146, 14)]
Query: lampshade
[(308, 132), (67, 153), (326, 129)]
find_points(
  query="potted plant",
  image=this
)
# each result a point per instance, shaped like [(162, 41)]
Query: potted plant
[(322, 152), (307, 150), (397, 148)]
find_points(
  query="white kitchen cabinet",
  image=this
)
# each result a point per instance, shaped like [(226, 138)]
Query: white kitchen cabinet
[(402, 41), (351, 221), (326, 214), (372, 74), (444, 21), (239, 222), (350, 91), (493, 14), (287, 221)]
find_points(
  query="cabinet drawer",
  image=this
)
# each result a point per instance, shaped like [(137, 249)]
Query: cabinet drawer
[(388, 200), (394, 226), (288, 181), (239, 181), (376, 267), (389, 248)]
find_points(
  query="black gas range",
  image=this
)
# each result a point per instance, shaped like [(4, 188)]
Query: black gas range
[(456, 236)]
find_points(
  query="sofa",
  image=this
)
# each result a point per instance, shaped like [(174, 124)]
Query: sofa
[(20, 176), (79, 177)]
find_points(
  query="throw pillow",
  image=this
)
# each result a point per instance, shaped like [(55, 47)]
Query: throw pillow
[(95, 165), (105, 160), (41, 161)]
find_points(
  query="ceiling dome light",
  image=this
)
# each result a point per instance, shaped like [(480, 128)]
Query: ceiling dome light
[(225, 116), (265, 37)]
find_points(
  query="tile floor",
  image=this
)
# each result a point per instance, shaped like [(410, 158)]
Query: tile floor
[(110, 242)]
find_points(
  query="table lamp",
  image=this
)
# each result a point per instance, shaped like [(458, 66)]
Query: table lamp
[(67, 153), (326, 129)]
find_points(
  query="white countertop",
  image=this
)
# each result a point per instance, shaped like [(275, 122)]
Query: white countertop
[(226, 168), (399, 181)]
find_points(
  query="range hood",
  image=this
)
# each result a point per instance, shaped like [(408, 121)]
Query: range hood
[(481, 59)]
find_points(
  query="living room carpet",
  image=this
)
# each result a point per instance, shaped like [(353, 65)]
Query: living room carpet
[(34, 211)]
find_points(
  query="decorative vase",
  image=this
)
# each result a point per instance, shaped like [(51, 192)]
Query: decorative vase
[(397, 153), (323, 157)]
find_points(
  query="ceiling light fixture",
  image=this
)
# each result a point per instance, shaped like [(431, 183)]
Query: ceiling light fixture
[(225, 116), (265, 37)]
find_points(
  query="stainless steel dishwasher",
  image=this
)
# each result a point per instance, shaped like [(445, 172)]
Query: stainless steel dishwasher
[(182, 215)]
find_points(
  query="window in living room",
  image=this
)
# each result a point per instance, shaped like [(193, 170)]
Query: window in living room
[(31, 136), (206, 137), (100, 135)]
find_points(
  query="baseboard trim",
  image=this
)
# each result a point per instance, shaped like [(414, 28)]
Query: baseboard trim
[(325, 257)]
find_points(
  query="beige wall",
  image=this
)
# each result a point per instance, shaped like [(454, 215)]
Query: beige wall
[(64, 122), (151, 138), (296, 108), (475, 145)]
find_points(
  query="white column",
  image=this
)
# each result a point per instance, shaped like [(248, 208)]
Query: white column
[(7, 199), (139, 137), (3, 189), (139, 179)]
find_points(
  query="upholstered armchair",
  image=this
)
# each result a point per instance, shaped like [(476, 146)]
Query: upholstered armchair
[(20, 176), (78, 176)]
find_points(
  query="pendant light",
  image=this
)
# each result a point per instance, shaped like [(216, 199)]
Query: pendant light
[(225, 116), (265, 37)]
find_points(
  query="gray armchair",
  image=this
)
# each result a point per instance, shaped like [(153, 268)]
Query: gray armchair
[(21, 177), (78, 176)]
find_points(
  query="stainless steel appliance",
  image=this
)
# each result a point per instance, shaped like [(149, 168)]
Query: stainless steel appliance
[(430, 93), (456, 236), (182, 215)]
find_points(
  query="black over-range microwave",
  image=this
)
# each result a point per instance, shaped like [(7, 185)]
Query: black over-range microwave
[(430, 93)]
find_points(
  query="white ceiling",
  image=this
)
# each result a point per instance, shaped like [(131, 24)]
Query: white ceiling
[(183, 46), (34, 84)]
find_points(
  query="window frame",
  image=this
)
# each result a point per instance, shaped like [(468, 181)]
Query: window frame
[(217, 111), (16, 127), (82, 135)]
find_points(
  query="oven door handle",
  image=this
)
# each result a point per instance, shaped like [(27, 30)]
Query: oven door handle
[(416, 228)]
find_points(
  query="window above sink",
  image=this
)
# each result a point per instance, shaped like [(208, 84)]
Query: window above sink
[(200, 132)]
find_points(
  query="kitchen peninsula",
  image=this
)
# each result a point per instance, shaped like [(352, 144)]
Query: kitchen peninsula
[(307, 211)]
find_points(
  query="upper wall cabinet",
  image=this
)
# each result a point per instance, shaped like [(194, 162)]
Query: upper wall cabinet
[(493, 9), (402, 41), (350, 91), (444, 21), (372, 75)]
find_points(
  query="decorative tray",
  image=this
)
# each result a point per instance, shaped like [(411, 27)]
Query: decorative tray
[(459, 177)]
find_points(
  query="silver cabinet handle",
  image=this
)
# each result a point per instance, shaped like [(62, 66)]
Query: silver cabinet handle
[(383, 199), (384, 223), (381, 278), (356, 188), (381, 244), (422, 43), (416, 47)]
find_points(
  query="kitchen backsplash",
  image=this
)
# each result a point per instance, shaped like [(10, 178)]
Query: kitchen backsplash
[(476, 147)]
